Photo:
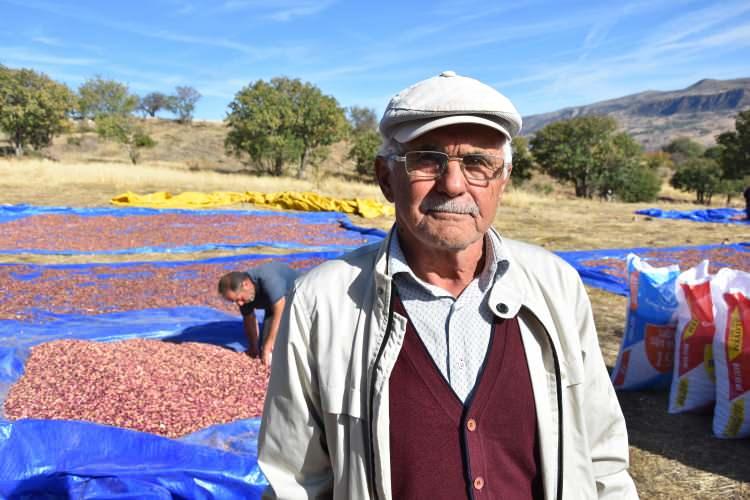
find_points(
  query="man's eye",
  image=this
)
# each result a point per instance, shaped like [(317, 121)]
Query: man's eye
[(478, 161), (429, 159)]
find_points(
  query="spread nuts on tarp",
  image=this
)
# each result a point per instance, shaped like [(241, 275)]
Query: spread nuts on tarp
[(145, 385)]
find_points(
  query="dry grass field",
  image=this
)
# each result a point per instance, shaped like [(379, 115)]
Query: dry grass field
[(671, 456)]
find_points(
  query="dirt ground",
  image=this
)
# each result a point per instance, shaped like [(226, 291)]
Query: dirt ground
[(672, 456)]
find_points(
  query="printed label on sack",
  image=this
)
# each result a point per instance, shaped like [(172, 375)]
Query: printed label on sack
[(634, 290), (737, 345), (708, 362), (682, 391), (620, 377), (660, 346), (736, 418), (699, 331)]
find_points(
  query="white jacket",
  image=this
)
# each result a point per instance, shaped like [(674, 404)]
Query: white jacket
[(325, 429)]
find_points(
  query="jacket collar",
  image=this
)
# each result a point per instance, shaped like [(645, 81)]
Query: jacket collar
[(511, 291)]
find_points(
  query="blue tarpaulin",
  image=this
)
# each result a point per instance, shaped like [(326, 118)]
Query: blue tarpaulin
[(48, 459), (721, 215), (124, 242), (69, 459), (605, 269)]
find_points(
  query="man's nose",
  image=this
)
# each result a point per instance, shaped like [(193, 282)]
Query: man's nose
[(452, 181)]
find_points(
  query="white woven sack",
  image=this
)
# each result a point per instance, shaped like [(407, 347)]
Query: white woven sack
[(731, 295), (644, 360), (693, 379)]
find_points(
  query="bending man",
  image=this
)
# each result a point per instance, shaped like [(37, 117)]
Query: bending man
[(263, 287)]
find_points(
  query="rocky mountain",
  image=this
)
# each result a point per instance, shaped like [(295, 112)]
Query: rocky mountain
[(700, 111)]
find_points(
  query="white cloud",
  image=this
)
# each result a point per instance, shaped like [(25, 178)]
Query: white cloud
[(24, 56), (697, 21), (46, 40), (280, 10), (185, 9), (257, 53)]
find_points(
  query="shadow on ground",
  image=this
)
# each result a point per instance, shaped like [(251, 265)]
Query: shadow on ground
[(227, 334), (686, 438)]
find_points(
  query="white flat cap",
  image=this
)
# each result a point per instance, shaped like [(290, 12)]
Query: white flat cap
[(447, 99)]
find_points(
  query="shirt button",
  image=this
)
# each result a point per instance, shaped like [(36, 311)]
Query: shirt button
[(479, 483), (502, 308), (471, 424)]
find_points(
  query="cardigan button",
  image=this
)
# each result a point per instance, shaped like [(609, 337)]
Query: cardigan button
[(471, 424), (479, 483)]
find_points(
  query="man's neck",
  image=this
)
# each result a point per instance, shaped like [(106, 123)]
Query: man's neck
[(451, 270)]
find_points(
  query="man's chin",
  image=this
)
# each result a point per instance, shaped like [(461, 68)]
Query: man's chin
[(449, 242)]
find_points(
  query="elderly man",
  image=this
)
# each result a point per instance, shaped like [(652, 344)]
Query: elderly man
[(447, 362), (263, 287)]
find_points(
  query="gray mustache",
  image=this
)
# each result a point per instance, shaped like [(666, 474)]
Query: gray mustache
[(451, 206)]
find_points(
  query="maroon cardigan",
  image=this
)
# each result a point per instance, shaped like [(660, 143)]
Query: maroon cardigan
[(443, 448)]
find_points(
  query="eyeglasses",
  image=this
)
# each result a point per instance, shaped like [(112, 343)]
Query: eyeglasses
[(478, 167)]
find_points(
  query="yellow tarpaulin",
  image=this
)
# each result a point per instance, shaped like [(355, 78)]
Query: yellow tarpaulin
[(310, 202)]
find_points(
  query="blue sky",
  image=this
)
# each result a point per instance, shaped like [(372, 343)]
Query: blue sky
[(542, 55)]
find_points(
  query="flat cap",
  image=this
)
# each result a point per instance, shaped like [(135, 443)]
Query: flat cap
[(447, 99)]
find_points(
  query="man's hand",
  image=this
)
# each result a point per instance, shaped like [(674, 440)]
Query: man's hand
[(265, 355), (252, 350)]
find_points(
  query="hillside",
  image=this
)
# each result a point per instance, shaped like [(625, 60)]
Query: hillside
[(196, 146), (700, 111)]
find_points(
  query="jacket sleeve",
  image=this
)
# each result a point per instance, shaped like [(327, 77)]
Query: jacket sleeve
[(605, 423), (292, 450)]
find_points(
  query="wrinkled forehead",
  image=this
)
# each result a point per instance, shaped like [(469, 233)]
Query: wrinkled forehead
[(459, 137)]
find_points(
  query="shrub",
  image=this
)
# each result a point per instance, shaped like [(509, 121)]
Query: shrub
[(638, 183), (364, 148)]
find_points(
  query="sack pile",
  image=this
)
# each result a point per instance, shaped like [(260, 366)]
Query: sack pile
[(690, 332)]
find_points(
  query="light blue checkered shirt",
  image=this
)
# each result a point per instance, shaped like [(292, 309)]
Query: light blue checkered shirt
[(456, 332)]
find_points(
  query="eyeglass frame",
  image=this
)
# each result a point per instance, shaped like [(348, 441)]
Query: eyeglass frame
[(499, 172)]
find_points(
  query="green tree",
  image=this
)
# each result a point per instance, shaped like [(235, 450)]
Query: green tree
[(627, 173), (100, 97), (637, 181), (182, 103), (152, 103), (361, 119), (683, 149), (319, 119), (258, 122), (701, 175), (730, 188), (127, 131), (714, 153), (282, 119), (33, 108), (735, 157), (578, 151), (364, 148), (660, 162), (523, 161)]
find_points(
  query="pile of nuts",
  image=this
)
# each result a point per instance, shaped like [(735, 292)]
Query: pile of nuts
[(61, 233), (718, 257), (104, 288), (145, 385)]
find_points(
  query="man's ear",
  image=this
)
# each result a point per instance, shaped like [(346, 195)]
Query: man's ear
[(383, 174)]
